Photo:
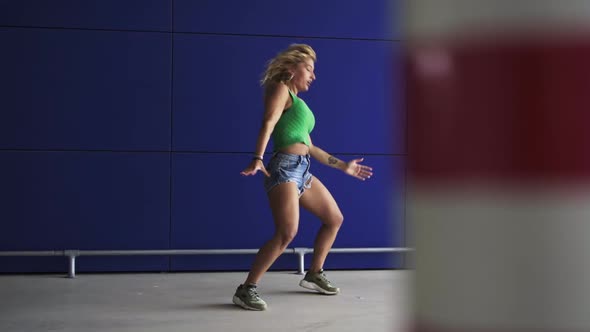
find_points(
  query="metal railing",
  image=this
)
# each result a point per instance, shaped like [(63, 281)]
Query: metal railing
[(300, 252)]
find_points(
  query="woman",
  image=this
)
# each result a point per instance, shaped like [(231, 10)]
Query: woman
[(288, 182)]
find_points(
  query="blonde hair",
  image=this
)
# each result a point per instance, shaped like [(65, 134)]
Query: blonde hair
[(277, 69)]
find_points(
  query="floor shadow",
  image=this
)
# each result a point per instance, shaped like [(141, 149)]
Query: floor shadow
[(214, 306), (293, 292)]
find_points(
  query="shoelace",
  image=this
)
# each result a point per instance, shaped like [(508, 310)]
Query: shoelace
[(323, 277), (252, 292)]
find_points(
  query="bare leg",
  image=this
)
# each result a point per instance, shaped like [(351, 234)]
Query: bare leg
[(320, 202), (284, 203)]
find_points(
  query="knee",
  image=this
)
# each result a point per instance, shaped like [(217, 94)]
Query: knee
[(335, 220), (286, 235)]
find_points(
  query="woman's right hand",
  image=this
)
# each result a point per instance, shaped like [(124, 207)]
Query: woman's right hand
[(255, 166)]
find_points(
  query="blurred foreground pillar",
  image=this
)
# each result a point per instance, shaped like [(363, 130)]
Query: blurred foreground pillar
[(498, 96)]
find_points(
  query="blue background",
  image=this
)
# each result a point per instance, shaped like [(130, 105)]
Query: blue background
[(125, 124)]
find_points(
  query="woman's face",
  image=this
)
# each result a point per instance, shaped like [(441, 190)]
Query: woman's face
[(303, 75)]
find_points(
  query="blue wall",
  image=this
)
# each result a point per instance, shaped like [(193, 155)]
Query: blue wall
[(124, 125)]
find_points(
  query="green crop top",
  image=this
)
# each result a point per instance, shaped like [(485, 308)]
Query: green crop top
[(294, 125)]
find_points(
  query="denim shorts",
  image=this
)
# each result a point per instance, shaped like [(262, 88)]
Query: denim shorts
[(285, 167)]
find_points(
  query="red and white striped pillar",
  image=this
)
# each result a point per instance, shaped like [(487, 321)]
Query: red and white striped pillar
[(498, 96)]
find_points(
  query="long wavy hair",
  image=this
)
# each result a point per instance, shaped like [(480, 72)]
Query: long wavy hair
[(277, 69)]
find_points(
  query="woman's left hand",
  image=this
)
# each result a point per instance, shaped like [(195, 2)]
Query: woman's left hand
[(361, 172)]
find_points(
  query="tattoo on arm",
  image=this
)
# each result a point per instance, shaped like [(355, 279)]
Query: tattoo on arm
[(332, 160)]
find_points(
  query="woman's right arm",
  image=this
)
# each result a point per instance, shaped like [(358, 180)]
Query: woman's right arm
[(275, 100)]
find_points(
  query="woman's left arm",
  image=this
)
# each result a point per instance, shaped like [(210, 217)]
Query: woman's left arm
[(352, 167)]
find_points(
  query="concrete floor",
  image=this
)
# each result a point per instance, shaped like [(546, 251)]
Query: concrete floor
[(370, 301)]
